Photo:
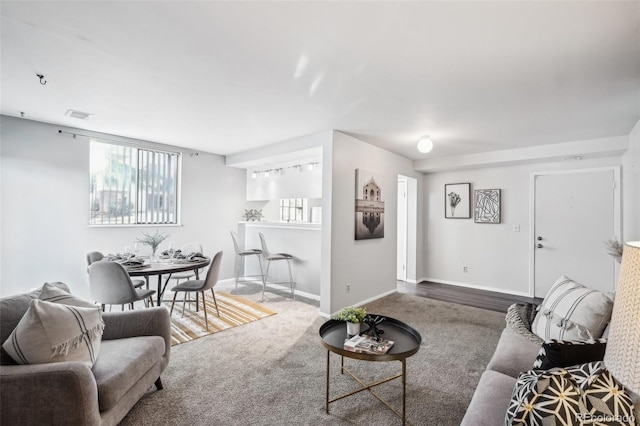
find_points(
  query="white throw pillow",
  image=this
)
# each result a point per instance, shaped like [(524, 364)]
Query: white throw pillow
[(52, 293), (54, 332), (571, 311)]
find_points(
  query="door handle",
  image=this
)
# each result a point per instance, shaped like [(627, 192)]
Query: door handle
[(539, 238), (539, 246)]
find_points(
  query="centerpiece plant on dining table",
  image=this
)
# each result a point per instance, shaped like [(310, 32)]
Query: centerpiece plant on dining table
[(153, 241)]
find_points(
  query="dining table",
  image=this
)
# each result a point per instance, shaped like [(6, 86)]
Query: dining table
[(167, 267)]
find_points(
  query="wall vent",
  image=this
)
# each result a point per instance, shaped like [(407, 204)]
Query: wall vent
[(78, 114)]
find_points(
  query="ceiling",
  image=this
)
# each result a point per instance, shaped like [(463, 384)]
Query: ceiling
[(227, 77)]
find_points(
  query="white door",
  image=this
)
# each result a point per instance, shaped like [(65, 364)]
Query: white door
[(402, 230), (574, 217)]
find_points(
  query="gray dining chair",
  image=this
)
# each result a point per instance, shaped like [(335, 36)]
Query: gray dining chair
[(186, 250), (96, 256), (271, 257), (200, 286), (241, 254), (110, 284)]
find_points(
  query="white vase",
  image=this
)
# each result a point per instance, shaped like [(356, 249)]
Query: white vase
[(353, 328)]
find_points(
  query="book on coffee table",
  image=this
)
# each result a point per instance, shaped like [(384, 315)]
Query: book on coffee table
[(367, 345)]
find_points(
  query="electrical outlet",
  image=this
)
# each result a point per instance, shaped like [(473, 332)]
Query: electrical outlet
[(465, 269), (348, 288)]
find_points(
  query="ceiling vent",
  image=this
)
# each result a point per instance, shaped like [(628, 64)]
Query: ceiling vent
[(78, 114)]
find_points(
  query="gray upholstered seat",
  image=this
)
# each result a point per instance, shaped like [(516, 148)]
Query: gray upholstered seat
[(113, 381), (110, 284), (96, 256), (93, 256), (200, 286), (275, 257), (187, 249)]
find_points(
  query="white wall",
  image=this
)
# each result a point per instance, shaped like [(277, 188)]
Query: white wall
[(631, 187), (497, 258), (44, 223), (369, 266)]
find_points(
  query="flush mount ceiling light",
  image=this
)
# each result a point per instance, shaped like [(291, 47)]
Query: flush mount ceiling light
[(425, 144), (78, 114), (254, 175)]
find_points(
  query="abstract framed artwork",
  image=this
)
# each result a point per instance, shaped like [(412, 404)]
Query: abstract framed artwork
[(369, 206), (457, 201), (487, 206)]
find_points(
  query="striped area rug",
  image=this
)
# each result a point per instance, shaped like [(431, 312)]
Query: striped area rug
[(234, 311)]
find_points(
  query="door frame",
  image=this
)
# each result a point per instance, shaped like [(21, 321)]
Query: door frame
[(617, 212), (402, 233), (412, 229)]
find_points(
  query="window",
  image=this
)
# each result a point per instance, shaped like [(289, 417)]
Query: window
[(132, 186), (293, 210)]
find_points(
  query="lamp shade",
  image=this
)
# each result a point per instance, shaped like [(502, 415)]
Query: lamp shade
[(622, 356)]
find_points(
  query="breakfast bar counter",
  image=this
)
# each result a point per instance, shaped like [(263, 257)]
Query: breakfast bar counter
[(300, 239)]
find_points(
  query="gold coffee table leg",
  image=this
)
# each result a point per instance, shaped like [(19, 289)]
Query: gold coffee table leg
[(326, 406), (369, 386), (404, 390)]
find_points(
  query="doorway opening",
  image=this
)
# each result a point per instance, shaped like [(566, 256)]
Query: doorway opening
[(407, 228)]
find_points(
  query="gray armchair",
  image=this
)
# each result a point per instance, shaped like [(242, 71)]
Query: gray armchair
[(134, 352)]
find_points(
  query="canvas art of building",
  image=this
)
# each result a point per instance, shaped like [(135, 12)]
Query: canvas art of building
[(369, 207)]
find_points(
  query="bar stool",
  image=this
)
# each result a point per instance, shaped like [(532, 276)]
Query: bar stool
[(270, 258), (241, 254)]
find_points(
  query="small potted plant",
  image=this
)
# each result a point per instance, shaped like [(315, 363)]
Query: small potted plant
[(353, 317), (153, 241), (615, 248)]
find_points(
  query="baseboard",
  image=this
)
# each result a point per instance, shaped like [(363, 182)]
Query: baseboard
[(278, 287), (298, 292), (477, 287), (364, 302)]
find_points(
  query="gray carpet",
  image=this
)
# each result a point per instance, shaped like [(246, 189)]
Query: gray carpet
[(272, 371)]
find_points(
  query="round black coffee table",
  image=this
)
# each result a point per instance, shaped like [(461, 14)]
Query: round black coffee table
[(406, 340)]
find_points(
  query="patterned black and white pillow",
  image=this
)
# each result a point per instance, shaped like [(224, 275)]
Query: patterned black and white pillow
[(559, 353), (604, 397), (567, 396)]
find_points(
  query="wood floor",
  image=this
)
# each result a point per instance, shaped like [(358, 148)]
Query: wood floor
[(491, 300)]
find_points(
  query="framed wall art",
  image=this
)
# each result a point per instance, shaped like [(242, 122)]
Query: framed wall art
[(487, 206), (369, 206), (457, 201)]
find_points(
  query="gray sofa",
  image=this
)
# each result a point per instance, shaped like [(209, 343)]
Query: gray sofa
[(134, 352), (513, 355)]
